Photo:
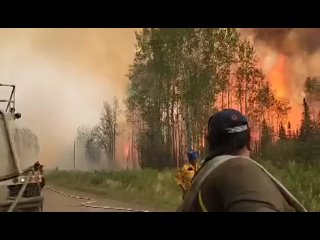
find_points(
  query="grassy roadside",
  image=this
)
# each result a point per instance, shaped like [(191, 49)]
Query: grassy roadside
[(301, 179), (148, 187), (159, 190)]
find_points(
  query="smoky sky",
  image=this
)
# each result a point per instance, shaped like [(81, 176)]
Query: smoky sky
[(289, 40), (62, 77)]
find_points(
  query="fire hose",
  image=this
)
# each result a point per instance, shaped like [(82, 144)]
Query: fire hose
[(90, 202)]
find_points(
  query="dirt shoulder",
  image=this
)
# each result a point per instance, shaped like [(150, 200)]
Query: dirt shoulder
[(55, 202), (102, 196)]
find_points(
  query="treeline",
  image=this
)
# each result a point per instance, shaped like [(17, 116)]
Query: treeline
[(302, 145), (180, 77), (100, 140)]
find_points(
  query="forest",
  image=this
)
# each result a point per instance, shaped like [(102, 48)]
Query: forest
[(180, 77)]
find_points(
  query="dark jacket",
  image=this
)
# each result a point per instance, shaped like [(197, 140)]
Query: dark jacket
[(238, 185)]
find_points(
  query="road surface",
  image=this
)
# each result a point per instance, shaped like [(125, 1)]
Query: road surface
[(55, 202)]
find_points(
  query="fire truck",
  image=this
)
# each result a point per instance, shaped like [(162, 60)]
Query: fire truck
[(23, 183)]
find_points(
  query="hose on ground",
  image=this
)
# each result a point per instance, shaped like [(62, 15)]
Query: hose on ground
[(90, 202)]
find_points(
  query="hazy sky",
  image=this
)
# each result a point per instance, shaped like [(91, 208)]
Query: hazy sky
[(62, 78)]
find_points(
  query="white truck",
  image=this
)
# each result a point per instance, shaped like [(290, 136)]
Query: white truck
[(24, 183)]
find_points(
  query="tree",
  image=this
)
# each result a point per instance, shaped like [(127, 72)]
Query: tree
[(317, 125), (93, 150), (116, 113), (176, 81), (306, 124), (290, 134), (86, 137), (280, 109), (266, 137), (83, 133), (102, 137), (105, 133), (282, 132), (249, 77)]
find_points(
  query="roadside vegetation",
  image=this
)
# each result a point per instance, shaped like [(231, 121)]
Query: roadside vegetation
[(159, 190)]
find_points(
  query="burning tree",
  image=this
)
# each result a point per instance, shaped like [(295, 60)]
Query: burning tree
[(282, 132), (306, 123), (290, 135), (266, 136)]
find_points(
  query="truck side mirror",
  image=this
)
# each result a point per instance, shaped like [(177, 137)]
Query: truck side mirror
[(17, 115)]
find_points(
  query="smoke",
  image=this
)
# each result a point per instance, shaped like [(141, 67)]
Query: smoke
[(297, 49), (288, 41), (62, 77)]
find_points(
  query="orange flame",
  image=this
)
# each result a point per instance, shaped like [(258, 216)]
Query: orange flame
[(277, 77), (279, 81)]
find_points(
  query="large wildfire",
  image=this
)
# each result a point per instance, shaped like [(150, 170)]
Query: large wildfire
[(288, 57)]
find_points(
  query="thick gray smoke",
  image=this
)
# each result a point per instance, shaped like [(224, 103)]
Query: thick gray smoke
[(288, 41), (62, 78)]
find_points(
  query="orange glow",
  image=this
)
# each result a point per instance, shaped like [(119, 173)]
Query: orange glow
[(126, 150), (280, 83), (295, 115), (278, 79)]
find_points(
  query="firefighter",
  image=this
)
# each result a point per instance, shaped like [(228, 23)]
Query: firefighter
[(229, 180), (39, 168), (186, 173)]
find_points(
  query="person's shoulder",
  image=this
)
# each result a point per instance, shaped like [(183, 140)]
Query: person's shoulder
[(235, 168), (239, 163), (244, 173)]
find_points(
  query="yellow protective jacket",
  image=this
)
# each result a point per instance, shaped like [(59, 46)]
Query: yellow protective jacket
[(185, 175)]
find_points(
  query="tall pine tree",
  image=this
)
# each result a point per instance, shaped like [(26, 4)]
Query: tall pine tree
[(289, 131), (266, 136), (282, 132), (306, 123)]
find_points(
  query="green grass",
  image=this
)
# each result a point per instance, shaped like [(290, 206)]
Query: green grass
[(159, 190), (149, 187), (302, 180)]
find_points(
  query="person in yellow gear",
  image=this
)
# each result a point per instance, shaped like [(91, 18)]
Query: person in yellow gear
[(186, 173)]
